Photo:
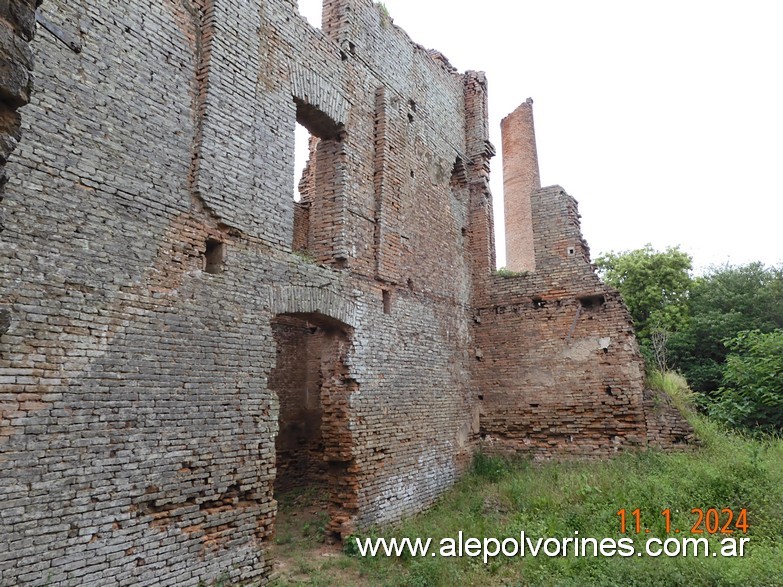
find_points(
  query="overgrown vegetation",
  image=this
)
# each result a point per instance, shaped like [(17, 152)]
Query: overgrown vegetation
[(502, 498), (721, 304), (504, 272), (303, 555), (305, 257), (752, 391), (675, 386), (384, 11), (701, 326), (654, 284)]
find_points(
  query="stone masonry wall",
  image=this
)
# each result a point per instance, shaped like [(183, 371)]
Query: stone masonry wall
[(147, 253)]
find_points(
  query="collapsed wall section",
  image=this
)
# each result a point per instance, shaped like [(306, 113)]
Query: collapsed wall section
[(560, 373), (559, 369)]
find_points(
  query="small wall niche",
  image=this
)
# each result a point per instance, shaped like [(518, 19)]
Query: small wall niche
[(387, 301), (214, 255)]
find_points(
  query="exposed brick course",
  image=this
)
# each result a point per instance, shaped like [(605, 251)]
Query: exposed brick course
[(179, 339)]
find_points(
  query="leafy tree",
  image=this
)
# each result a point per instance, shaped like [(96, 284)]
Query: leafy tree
[(726, 301), (752, 391), (654, 285)]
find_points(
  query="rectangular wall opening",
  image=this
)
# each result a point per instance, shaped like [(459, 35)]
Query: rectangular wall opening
[(318, 190), (314, 483), (213, 255)]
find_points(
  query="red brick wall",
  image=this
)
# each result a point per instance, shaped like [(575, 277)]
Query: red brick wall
[(558, 368), (149, 255), (141, 390)]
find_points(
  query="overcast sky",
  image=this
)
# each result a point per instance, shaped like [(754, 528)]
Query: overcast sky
[(664, 119)]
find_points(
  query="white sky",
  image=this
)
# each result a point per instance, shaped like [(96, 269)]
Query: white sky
[(664, 119)]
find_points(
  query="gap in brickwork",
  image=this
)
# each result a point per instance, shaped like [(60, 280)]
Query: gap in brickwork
[(318, 152), (213, 256), (304, 183), (299, 378), (302, 138), (313, 446), (312, 11), (592, 302)]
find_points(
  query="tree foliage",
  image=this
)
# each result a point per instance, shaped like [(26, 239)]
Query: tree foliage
[(654, 285), (724, 302), (723, 331), (752, 392)]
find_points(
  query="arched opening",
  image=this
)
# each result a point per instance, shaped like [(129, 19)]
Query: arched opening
[(314, 444)]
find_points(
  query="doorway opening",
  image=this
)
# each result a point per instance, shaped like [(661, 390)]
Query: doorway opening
[(314, 444)]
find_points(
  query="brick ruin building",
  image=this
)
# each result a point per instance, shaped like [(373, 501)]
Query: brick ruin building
[(180, 338)]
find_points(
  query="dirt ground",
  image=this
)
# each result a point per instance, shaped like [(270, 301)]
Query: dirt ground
[(303, 553)]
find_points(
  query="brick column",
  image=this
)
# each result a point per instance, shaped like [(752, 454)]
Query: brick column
[(520, 179)]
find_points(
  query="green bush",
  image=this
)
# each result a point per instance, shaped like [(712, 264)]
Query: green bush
[(654, 285), (722, 303), (752, 391)]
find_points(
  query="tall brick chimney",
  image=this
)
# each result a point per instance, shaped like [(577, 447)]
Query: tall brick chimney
[(520, 179)]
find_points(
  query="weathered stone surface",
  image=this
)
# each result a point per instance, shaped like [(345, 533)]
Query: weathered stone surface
[(187, 340), (21, 14), (17, 26), (142, 394), (16, 62)]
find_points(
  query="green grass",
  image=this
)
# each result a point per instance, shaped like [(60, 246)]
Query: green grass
[(500, 498), (301, 547), (675, 386)]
